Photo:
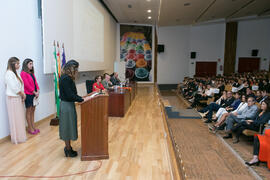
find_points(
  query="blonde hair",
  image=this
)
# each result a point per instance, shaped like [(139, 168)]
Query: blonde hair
[(11, 66)]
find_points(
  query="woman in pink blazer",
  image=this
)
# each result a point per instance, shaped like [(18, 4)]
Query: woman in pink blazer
[(31, 89)]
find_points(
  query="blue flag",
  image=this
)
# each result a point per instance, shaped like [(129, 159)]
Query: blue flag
[(63, 56)]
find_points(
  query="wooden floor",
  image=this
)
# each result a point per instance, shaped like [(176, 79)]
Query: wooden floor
[(203, 154), (137, 148)]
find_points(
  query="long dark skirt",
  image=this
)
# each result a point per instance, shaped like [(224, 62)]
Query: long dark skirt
[(68, 121)]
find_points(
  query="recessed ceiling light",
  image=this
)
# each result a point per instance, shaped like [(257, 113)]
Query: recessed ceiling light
[(149, 17), (187, 4), (149, 10), (148, 0)]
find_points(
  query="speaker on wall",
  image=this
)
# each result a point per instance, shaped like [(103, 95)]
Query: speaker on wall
[(160, 48), (192, 55), (254, 52)]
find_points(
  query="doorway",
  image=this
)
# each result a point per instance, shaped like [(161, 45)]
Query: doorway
[(206, 69), (246, 64)]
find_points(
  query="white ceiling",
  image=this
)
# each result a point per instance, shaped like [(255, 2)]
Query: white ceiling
[(175, 12)]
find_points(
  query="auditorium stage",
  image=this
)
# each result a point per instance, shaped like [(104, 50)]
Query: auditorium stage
[(137, 148)]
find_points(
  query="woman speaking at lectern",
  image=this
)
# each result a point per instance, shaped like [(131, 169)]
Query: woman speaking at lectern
[(68, 116)]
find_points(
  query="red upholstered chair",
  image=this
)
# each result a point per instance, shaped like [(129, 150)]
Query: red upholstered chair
[(264, 154)]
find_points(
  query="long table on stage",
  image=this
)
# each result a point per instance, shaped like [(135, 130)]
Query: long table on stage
[(120, 100)]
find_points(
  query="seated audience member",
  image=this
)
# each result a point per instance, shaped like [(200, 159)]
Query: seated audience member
[(200, 89), (266, 86), (215, 106), (261, 148), (258, 96), (249, 93), (236, 83), (264, 96), (230, 108), (261, 118), (107, 84), (199, 97), (243, 86), (248, 113), (192, 90), (97, 86), (221, 86), (114, 79)]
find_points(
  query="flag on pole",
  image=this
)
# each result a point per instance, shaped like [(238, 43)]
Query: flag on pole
[(63, 56), (56, 82), (58, 60)]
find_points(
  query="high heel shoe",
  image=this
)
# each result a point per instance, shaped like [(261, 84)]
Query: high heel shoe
[(254, 163), (37, 130), (33, 133), (70, 152)]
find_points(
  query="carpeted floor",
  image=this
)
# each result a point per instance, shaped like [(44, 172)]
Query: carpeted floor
[(203, 154)]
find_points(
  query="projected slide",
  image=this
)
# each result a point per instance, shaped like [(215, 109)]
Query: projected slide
[(80, 26), (89, 32)]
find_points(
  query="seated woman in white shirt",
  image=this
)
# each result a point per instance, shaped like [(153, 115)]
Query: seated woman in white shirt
[(15, 101), (222, 118), (199, 97), (230, 108)]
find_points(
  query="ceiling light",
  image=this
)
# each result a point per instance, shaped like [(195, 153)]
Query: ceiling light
[(187, 4), (149, 17), (148, 0), (149, 10), (129, 6)]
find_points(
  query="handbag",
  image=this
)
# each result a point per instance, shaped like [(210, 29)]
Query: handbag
[(35, 101)]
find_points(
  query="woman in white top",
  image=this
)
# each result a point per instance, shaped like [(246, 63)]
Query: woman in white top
[(222, 111), (223, 117), (15, 98)]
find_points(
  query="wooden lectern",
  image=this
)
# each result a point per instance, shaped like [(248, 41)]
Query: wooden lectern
[(94, 128)]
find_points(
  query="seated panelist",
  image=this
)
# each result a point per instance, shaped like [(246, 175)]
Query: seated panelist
[(107, 84), (97, 86), (114, 79)]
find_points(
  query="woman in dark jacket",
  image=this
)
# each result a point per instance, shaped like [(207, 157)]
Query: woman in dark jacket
[(261, 118), (68, 116)]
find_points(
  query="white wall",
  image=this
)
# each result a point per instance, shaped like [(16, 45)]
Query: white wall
[(208, 41), (254, 34), (175, 63), (20, 35)]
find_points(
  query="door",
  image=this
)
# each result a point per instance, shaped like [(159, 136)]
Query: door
[(206, 69), (248, 64)]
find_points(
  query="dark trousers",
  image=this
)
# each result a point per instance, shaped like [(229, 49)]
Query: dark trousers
[(210, 108), (240, 127), (197, 100), (256, 146)]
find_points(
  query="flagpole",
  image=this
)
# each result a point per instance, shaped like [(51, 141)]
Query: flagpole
[(55, 121)]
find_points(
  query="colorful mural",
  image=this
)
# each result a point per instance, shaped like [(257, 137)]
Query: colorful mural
[(136, 52)]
